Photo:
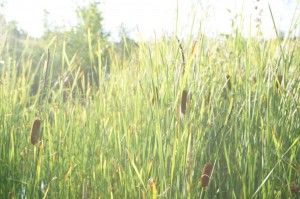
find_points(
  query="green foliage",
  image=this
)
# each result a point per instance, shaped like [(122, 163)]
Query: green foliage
[(81, 43)]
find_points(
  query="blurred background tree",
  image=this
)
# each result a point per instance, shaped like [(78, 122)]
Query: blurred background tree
[(83, 48), (81, 45)]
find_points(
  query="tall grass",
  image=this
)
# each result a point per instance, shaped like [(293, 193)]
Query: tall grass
[(129, 138)]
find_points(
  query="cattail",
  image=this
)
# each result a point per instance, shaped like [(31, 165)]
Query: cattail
[(228, 82), (294, 188), (35, 131), (183, 101), (206, 173)]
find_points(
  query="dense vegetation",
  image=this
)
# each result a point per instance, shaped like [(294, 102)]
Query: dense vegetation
[(140, 120)]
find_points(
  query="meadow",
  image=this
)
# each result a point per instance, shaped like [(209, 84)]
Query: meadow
[(150, 125)]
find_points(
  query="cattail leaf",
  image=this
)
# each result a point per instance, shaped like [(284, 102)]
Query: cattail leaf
[(35, 131)]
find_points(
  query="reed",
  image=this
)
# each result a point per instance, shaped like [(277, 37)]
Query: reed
[(116, 145)]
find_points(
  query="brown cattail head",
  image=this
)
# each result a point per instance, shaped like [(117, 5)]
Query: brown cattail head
[(228, 82), (294, 188), (206, 173), (183, 101), (35, 131)]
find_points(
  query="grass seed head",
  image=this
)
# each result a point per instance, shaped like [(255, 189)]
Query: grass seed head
[(206, 173), (182, 55), (35, 131)]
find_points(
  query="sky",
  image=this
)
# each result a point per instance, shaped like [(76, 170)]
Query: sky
[(152, 18)]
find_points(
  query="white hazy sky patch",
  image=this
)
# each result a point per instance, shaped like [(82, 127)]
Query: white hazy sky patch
[(156, 17), (146, 16)]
